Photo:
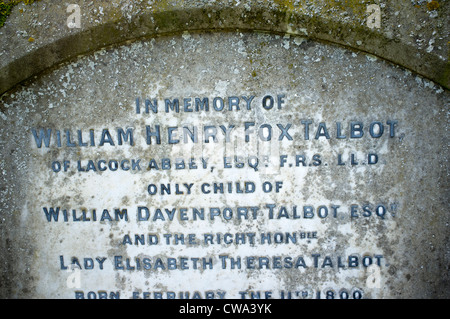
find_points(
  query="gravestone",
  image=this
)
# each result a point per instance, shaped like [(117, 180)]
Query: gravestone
[(285, 149)]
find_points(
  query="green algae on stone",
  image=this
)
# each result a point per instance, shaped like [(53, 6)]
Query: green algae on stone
[(6, 7)]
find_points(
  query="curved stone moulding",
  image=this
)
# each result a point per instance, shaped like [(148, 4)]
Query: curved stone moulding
[(53, 42)]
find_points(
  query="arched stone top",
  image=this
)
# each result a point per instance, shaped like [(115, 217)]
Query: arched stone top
[(36, 37)]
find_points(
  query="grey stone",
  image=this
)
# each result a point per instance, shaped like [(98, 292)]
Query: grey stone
[(315, 207), (410, 35)]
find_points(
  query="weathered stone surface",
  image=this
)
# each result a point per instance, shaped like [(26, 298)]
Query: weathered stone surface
[(413, 35), (387, 206)]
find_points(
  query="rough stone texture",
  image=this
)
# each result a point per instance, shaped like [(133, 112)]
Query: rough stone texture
[(322, 83), (412, 34), (314, 52)]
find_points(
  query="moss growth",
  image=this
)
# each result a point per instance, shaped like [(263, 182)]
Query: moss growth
[(287, 4), (5, 11), (6, 7), (433, 5)]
